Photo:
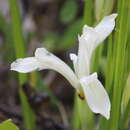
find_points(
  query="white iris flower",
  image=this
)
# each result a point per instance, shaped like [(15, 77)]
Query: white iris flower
[(86, 84)]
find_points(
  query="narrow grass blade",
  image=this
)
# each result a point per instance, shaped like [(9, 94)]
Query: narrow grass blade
[(28, 115)]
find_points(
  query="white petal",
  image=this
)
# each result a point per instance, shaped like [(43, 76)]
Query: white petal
[(50, 61), (74, 58), (25, 65), (86, 45), (105, 27), (89, 40), (87, 28), (41, 52), (95, 95)]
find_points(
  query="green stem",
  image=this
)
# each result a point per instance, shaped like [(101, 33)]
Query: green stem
[(28, 115)]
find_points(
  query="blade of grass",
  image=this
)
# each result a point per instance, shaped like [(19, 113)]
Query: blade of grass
[(108, 6), (5, 29), (116, 64), (109, 65), (28, 115), (116, 82), (102, 8), (99, 13), (108, 77), (99, 4), (120, 42), (125, 120), (88, 12)]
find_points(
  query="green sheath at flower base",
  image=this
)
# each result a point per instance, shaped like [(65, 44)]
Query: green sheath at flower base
[(85, 83)]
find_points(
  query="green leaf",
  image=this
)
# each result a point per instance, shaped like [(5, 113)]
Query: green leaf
[(68, 11), (8, 125)]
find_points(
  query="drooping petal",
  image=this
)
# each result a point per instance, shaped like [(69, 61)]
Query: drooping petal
[(95, 95), (50, 61), (25, 65), (45, 60), (105, 27)]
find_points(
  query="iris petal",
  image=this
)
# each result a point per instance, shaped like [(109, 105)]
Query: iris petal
[(26, 65), (90, 39), (45, 60), (105, 27), (95, 95)]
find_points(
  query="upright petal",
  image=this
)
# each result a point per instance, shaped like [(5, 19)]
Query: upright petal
[(105, 27), (88, 41), (95, 95)]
